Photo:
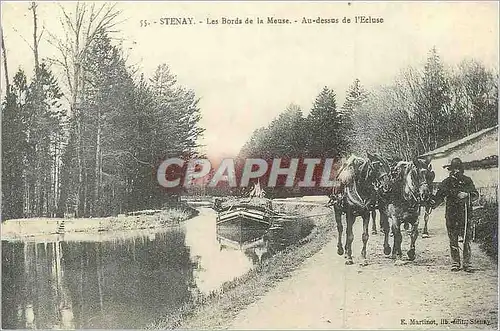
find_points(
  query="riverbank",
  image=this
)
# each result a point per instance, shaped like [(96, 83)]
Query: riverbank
[(18, 229), (217, 310), (327, 294)]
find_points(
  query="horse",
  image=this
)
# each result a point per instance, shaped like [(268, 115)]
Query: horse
[(382, 190), (409, 191), (425, 209), (427, 206), (355, 195)]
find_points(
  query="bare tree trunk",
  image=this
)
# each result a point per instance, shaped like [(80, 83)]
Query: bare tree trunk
[(98, 167), (80, 200), (26, 208), (79, 156), (38, 188), (4, 54), (53, 206), (40, 170), (35, 38)]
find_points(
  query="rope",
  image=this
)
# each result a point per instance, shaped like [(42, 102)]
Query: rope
[(301, 216)]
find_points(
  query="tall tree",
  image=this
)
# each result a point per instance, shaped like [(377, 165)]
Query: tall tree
[(327, 135), (431, 93), (107, 95), (480, 94), (82, 27), (356, 117), (13, 148), (45, 117)]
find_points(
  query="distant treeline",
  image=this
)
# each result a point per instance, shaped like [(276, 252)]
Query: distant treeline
[(423, 109), (93, 149)]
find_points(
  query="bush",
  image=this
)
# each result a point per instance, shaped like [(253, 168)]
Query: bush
[(486, 219)]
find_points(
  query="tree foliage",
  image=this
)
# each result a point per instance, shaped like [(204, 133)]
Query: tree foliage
[(95, 150), (422, 109), (426, 108)]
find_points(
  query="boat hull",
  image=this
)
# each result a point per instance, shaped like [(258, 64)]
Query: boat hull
[(242, 225)]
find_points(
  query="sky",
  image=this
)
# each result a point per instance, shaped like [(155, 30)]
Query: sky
[(246, 74)]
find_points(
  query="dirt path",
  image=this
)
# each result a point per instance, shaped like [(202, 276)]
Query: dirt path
[(327, 294)]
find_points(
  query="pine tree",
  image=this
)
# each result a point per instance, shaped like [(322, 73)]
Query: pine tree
[(432, 100), (327, 136), (13, 148), (356, 118), (45, 139)]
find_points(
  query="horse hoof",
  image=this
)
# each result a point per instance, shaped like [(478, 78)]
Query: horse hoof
[(387, 250), (411, 254), (363, 253), (374, 232), (363, 263), (340, 251), (425, 235), (349, 262)]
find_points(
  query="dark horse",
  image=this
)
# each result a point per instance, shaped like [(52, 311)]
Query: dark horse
[(355, 194), (427, 206), (384, 187), (410, 189)]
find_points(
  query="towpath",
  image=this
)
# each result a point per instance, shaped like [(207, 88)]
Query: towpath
[(326, 294)]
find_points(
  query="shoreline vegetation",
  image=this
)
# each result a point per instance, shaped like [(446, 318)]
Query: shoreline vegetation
[(18, 229), (217, 309)]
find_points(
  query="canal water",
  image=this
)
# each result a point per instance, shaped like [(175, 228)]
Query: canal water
[(122, 282)]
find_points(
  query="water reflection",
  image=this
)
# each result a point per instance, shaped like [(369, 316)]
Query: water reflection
[(257, 246), (214, 266), (113, 284), (116, 282)]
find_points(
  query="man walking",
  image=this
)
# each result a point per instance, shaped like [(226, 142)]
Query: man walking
[(459, 191)]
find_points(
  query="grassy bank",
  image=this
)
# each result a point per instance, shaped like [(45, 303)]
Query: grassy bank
[(486, 219), (219, 308), (31, 227)]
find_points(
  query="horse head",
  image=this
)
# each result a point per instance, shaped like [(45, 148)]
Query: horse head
[(425, 179), (415, 180), (362, 178), (381, 174)]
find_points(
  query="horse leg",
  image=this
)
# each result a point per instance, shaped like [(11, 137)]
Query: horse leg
[(381, 220), (374, 223), (340, 229), (365, 236), (384, 224), (414, 235), (396, 230), (427, 211), (407, 227), (350, 236)]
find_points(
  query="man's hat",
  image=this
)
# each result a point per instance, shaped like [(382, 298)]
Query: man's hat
[(456, 164)]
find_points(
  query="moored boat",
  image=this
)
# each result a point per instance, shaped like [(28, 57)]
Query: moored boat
[(244, 219)]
